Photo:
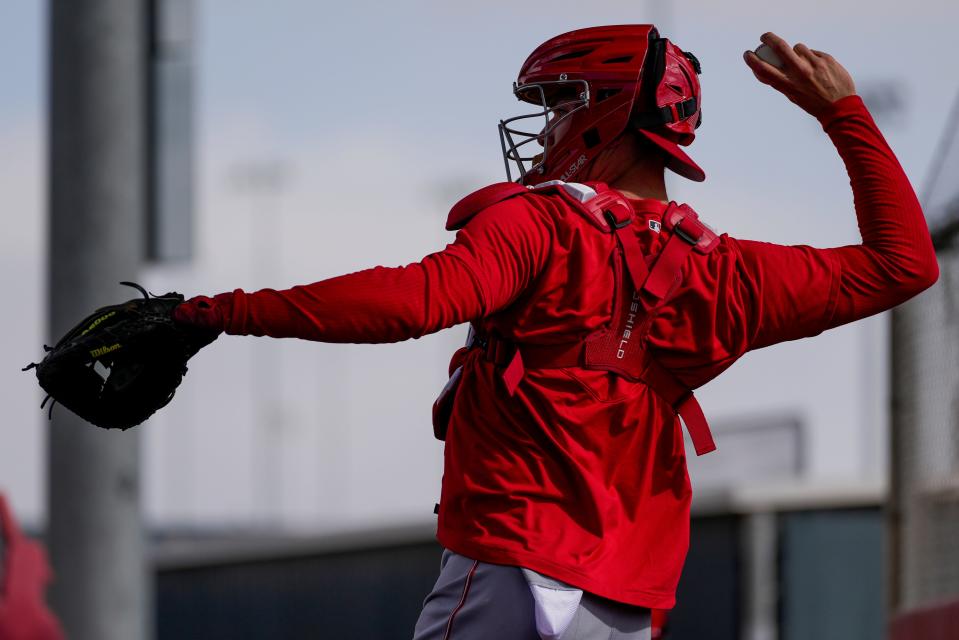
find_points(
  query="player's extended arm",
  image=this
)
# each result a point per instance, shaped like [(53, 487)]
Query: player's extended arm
[(804, 290), (492, 260)]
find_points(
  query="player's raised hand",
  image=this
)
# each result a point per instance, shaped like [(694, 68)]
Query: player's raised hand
[(811, 79)]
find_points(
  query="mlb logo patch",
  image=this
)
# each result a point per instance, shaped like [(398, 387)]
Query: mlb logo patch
[(655, 225)]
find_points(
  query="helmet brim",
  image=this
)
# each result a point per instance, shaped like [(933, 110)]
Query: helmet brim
[(676, 159)]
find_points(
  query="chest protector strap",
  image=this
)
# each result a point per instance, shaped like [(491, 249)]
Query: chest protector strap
[(688, 234), (618, 215)]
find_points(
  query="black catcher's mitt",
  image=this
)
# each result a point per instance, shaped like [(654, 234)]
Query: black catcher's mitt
[(121, 363)]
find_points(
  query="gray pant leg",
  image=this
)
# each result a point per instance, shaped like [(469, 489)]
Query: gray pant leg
[(477, 601)]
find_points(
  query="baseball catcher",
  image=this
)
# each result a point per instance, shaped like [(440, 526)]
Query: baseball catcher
[(597, 306)]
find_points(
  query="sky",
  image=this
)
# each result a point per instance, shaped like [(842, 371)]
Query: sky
[(378, 117)]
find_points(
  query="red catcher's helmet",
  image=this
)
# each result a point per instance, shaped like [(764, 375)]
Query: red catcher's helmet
[(591, 84)]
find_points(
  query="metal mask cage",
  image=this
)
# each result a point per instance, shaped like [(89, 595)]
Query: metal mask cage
[(566, 96)]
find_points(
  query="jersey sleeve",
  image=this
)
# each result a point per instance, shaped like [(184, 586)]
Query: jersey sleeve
[(801, 291), (492, 260), (754, 294), (790, 292)]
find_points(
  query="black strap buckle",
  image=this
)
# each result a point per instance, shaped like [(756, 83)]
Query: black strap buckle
[(686, 235), (613, 223), (478, 342), (686, 108)]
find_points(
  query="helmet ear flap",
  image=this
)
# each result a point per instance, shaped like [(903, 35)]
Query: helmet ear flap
[(669, 67)]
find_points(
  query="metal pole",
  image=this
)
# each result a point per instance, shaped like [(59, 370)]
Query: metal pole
[(96, 173), (901, 390), (761, 576)]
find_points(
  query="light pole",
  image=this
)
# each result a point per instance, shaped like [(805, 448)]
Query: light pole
[(263, 183), (97, 170)]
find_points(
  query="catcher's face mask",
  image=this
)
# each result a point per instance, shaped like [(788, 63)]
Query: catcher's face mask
[(557, 101)]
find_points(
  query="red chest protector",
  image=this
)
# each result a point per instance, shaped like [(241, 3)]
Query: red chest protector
[(618, 348)]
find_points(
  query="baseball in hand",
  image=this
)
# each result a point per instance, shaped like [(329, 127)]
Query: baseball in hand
[(812, 79), (766, 53)]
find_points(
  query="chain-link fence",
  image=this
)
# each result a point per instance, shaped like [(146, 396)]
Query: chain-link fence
[(926, 441), (924, 505)]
